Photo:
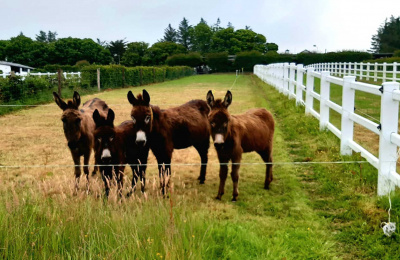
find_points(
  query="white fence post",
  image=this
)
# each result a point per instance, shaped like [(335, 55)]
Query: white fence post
[(387, 150), (394, 71), (299, 83), (368, 69), (384, 72), (285, 88), (347, 125), (376, 72), (291, 79), (325, 93), (309, 89)]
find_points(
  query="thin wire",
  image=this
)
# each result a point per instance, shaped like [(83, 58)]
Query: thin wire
[(181, 164)]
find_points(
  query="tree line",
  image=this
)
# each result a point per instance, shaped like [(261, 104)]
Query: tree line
[(201, 38)]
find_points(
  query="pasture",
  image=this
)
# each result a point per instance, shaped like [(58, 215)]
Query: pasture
[(312, 211)]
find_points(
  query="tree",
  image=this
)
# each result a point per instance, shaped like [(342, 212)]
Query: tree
[(230, 25), (51, 36), (216, 27), (41, 37), (159, 52), (24, 50), (387, 38), (170, 34), (135, 54), (102, 43), (117, 49), (272, 47), (184, 34), (46, 37), (201, 35)]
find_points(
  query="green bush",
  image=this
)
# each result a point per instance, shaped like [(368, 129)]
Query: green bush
[(396, 53), (191, 60), (56, 67), (219, 62), (342, 56), (387, 60), (116, 76), (247, 60)]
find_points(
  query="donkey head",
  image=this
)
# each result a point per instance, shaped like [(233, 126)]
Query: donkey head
[(104, 136), (71, 118), (219, 118), (142, 116)]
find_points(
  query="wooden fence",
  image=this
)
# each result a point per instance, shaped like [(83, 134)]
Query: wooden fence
[(289, 79)]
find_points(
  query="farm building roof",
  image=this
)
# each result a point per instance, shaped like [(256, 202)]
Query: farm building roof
[(14, 64)]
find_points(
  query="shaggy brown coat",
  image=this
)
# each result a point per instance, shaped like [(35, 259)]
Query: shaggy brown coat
[(173, 128), (78, 127), (116, 146), (237, 134)]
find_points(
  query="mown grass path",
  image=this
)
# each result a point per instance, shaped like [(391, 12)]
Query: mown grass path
[(316, 211)]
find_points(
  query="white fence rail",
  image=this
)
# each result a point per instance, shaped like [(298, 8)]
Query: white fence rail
[(288, 79), (39, 74), (369, 71)]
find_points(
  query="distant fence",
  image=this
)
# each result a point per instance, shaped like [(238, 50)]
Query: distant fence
[(289, 79), (376, 71), (40, 74)]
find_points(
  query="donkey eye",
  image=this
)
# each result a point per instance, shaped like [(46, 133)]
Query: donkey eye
[(147, 119), (133, 119), (212, 124), (99, 139), (225, 124), (111, 138)]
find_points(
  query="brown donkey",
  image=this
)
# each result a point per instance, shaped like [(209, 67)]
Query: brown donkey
[(114, 147), (237, 134), (78, 127), (169, 129)]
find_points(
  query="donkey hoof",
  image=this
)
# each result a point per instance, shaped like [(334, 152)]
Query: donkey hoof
[(201, 181), (266, 187), (218, 197), (234, 199)]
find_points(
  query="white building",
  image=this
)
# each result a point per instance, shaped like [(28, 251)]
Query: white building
[(7, 67)]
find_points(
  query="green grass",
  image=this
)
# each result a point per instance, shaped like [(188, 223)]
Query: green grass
[(320, 211)]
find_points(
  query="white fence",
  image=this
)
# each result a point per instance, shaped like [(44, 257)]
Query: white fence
[(288, 79), (39, 74), (382, 71)]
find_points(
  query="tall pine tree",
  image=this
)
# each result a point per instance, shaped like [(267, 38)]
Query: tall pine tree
[(184, 34), (170, 34)]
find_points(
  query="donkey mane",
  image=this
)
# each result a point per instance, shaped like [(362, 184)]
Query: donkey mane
[(218, 103)]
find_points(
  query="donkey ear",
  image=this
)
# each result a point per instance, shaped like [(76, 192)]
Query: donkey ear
[(131, 98), (76, 99), (97, 117), (146, 97), (59, 101), (110, 117), (227, 99), (210, 98)]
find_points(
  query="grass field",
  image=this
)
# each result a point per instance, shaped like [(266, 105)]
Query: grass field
[(312, 211)]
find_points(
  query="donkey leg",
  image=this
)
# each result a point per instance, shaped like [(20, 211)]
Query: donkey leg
[(106, 175), (86, 158), (223, 173), (120, 178), (267, 157), (77, 171), (142, 169), (135, 176), (203, 152), (235, 179)]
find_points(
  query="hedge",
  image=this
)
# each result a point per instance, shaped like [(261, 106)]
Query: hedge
[(191, 60), (35, 90), (116, 76), (219, 62)]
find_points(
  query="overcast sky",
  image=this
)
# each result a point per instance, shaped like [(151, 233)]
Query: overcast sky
[(295, 25)]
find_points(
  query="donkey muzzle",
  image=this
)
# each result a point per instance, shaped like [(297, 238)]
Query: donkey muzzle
[(140, 138), (218, 141), (106, 156)]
